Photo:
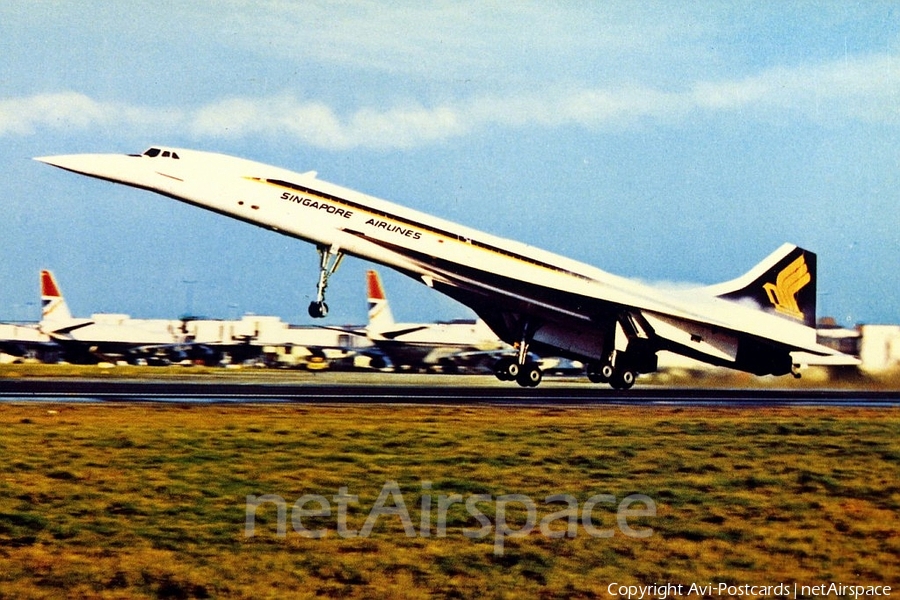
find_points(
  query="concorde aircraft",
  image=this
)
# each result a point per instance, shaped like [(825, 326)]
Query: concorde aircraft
[(762, 322)]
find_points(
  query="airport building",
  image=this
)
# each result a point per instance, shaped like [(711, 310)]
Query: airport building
[(269, 341), (879, 349)]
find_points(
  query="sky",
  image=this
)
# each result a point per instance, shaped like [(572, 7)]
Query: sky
[(671, 142)]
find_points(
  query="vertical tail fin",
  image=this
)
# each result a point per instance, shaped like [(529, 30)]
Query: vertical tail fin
[(380, 317), (783, 284), (53, 306)]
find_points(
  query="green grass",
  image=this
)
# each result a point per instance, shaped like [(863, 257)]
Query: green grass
[(125, 501)]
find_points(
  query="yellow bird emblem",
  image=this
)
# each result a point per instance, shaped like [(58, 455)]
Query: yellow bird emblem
[(783, 293)]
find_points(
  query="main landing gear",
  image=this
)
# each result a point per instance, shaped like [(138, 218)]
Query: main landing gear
[(618, 376), (620, 368), (525, 372), (600, 373), (329, 260)]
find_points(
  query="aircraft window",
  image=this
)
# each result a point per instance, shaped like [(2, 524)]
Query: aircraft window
[(166, 154), (152, 152), (174, 155)]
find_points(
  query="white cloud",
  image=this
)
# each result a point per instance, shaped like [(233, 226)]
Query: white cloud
[(67, 110), (859, 89), (865, 88), (316, 124), (70, 111)]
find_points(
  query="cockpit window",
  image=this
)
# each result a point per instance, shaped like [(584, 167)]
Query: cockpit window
[(154, 152)]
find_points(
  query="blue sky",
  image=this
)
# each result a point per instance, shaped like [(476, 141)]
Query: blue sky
[(665, 141)]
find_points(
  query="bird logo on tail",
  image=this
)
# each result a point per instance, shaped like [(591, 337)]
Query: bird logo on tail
[(783, 293)]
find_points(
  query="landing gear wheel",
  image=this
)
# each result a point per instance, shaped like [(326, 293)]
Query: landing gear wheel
[(501, 369), (513, 370), (530, 375), (602, 375), (317, 310), (623, 379), (606, 372)]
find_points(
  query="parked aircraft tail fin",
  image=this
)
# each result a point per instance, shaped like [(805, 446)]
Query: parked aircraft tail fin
[(53, 306), (380, 317), (784, 284)]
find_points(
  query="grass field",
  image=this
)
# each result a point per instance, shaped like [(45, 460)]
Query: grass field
[(126, 501)]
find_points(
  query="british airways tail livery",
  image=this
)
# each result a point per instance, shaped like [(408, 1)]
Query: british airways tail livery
[(446, 345), (762, 322), (53, 306), (380, 317)]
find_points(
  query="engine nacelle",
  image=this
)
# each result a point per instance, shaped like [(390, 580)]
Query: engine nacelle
[(762, 359)]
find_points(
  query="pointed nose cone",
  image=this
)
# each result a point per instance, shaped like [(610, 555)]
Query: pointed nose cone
[(163, 175), (95, 165)]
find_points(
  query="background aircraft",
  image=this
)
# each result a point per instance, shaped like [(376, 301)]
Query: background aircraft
[(253, 339), (447, 345), (110, 337), (20, 341)]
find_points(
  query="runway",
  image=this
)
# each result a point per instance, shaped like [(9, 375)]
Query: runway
[(441, 391)]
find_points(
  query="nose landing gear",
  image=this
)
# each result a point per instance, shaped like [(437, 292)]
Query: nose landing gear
[(329, 260)]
